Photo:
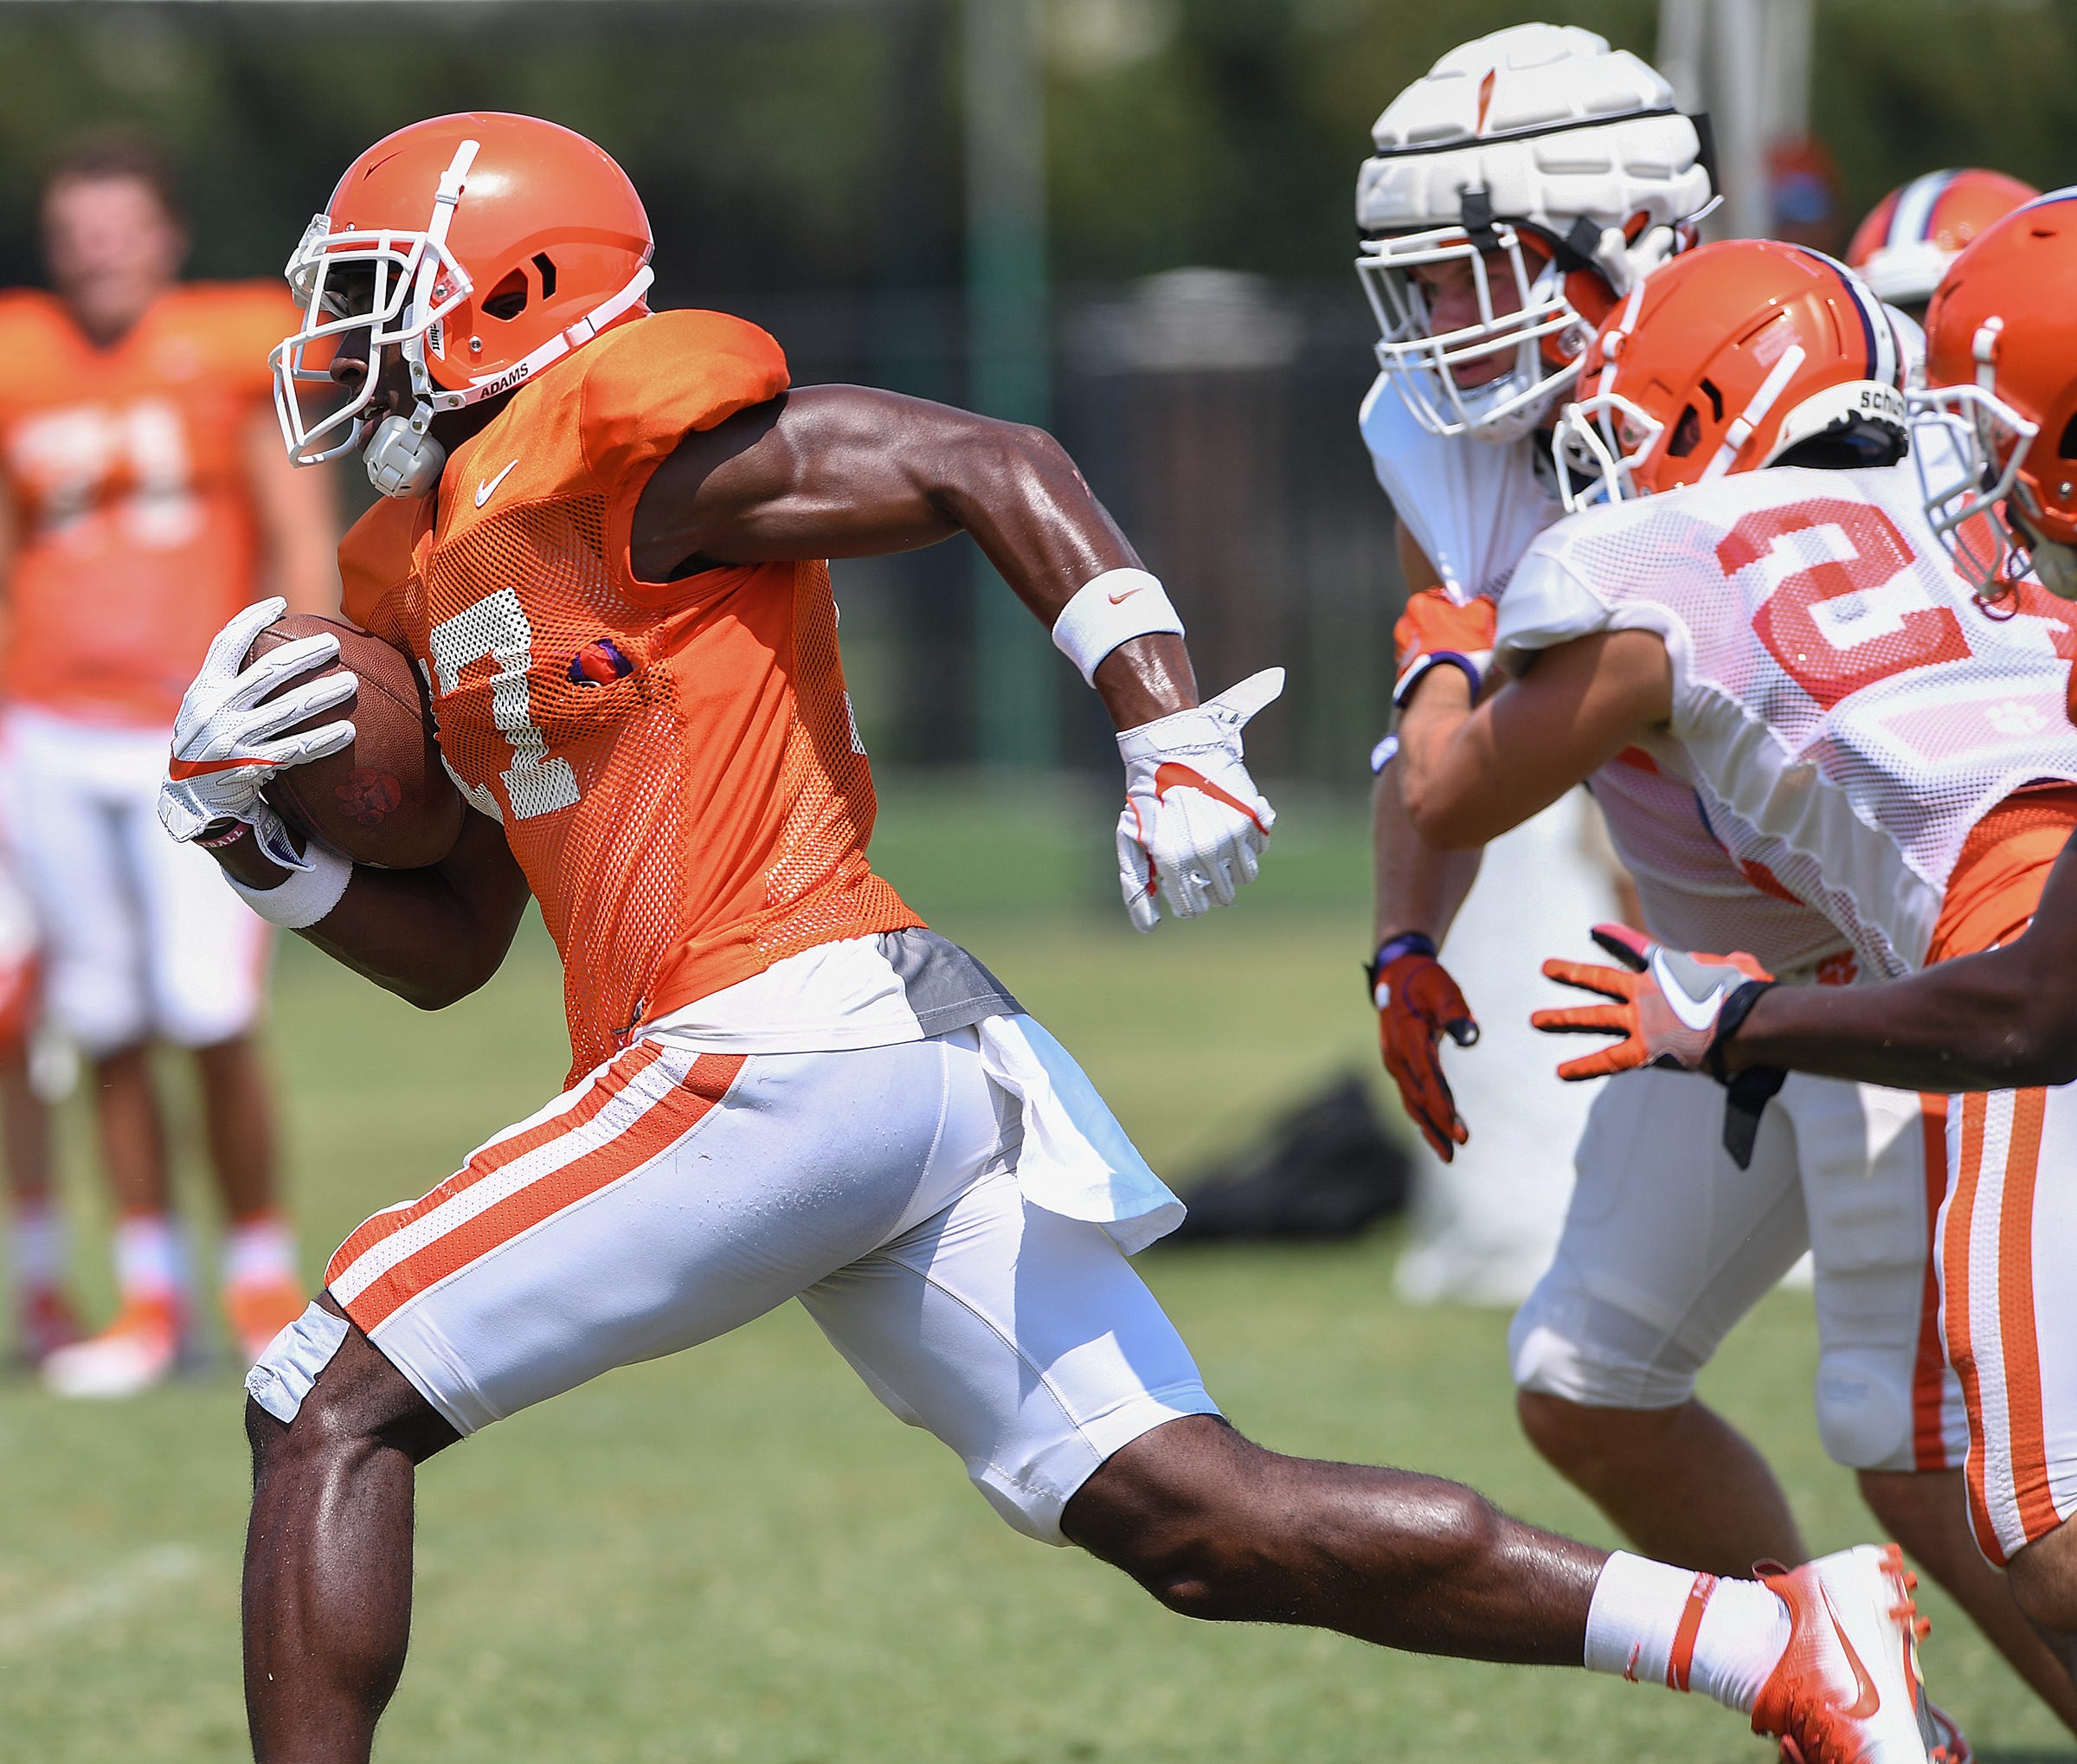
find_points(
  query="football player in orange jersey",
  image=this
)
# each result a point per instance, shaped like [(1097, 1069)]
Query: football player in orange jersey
[(145, 502), (605, 550)]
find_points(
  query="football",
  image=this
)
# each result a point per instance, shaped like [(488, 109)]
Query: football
[(385, 798)]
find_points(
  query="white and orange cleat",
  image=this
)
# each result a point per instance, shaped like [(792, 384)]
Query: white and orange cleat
[(259, 1309), (136, 1351), (1848, 1689)]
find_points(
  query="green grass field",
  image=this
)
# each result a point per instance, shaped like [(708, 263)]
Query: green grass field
[(736, 1555)]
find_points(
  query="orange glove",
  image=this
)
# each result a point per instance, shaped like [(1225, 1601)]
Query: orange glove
[(1418, 1004), (1671, 1007), (1436, 629)]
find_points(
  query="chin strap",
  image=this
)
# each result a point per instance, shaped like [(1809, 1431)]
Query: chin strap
[(402, 457)]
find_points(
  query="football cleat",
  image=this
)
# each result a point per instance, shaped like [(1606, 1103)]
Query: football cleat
[(44, 1324), (1951, 1744), (259, 1311), (1847, 1689), (136, 1351)]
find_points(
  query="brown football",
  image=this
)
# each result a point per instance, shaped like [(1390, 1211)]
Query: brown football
[(385, 798)]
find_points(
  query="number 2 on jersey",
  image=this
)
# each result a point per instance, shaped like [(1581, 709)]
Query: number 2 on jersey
[(1823, 656), (495, 628)]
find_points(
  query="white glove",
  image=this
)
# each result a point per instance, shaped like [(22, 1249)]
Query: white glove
[(1194, 823), (227, 743)]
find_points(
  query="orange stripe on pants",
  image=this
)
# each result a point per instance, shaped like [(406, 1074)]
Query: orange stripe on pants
[(652, 1132), (609, 1084), (1929, 1369), (2028, 1440), (1961, 1350)]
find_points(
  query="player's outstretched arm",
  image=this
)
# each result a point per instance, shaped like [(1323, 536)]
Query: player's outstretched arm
[(2006, 1020), (847, 471), (1466, 775), (851, 471)]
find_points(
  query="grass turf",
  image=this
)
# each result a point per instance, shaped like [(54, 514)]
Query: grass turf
[(735, 1553)]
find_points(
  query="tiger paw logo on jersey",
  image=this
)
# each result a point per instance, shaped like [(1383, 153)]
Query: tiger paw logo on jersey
[(599, 663)]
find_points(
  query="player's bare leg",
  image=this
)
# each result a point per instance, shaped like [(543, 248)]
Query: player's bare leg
[(142, 1344), (132, 1129), (327, 1595), (1681, 1483), (2044, 1581), (262, 1293), (35, 1233), (238, 1117), (1216, 1527), (1926, 1511)]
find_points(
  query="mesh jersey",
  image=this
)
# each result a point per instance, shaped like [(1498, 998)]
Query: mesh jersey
[(675, 763), (126, 470), (1843, 707), (1475, 507)]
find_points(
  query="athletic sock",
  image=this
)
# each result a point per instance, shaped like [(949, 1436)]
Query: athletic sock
[(1666, 1625), (36, 1238), (147, 1256), (259, 1248)]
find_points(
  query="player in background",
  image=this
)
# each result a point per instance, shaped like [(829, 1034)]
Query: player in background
[(35, 1233), (783, 1085), (1452, 453), (1478, 334), (1793, 644), (146, 501), (1903, 246), (1668, 1242), (2002, 373)]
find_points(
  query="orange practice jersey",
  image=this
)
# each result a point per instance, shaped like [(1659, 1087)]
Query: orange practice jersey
[(136, 534), (676, 763)]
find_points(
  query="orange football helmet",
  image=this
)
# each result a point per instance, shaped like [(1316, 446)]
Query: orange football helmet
[(1727, 360), (482, 246), (1995, 427), (1903, 248)]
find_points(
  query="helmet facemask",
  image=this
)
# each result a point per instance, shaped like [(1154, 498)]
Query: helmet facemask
[(405, 284), (1967, 445), (1598, 446), (1538, 338)]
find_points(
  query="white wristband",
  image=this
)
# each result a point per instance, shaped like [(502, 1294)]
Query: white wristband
[(1118, 606), (306, 896)]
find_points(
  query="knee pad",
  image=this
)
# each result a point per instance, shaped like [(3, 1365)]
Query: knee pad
[(1864, 1409), (1566, 1342)]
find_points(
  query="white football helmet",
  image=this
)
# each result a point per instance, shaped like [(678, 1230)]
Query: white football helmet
[(1538, 157)]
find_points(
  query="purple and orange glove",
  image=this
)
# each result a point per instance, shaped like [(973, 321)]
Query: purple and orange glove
[(1436, 630), (1418, 1004), (1672, 1008)]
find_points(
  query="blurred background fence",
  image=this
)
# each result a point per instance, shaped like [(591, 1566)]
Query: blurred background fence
[(1128, 219)]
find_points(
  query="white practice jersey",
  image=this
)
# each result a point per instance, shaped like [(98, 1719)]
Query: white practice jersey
[(1845, 711), (1475, 507)]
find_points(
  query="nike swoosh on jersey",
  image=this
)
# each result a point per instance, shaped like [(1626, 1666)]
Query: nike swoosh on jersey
[(484, 491), (1696, 1014), (180, 770), (1870, 1699)]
